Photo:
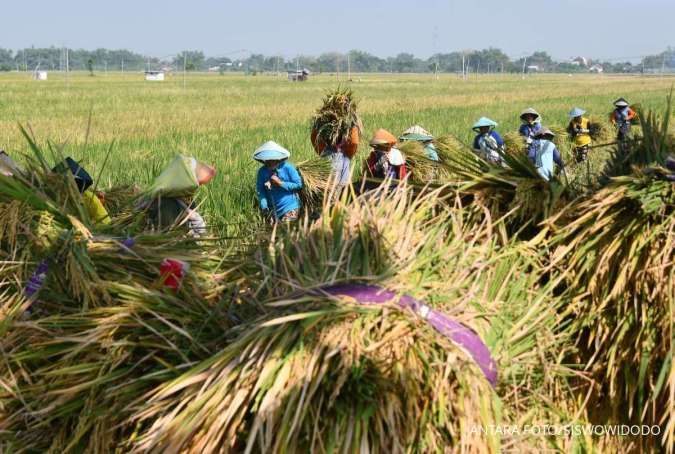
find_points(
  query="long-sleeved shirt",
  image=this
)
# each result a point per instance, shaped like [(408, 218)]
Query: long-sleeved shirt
[(494, 134), (280, 199), (528, 130), (543, 153), (431, 152)]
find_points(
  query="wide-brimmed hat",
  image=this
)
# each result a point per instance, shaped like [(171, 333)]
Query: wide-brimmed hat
[(382, 137), (416, 133), (483, 122), (544, 132), (577, 112), (271, 151), (621, 103), (529, 111)]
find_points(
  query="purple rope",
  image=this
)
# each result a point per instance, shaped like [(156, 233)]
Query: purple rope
[(37, 279), (464, 337)]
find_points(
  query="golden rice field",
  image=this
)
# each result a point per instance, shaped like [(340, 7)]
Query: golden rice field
[(221, 119)]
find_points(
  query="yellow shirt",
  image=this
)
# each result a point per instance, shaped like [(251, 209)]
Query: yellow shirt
[(95, 208), (583, 139)]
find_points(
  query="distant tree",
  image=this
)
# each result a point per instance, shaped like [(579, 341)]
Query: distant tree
[(90, 67), (193, 60), (6, 59)]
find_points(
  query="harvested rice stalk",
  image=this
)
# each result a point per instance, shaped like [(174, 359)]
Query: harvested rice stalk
[(316, 182), (423, 169), (514, 143), (334, 120)]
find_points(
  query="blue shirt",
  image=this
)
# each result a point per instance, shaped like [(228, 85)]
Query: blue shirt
[(494, 134), (543, 153), (281, 199)]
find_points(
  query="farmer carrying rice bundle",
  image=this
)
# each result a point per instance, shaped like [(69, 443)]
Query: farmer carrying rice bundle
[(419, 134), (91, 201), (579, 130), (543, 153), (385, 161), (171, 196), (336, 131), (621, 117), (278, 183), (531, 125), (488, 144)]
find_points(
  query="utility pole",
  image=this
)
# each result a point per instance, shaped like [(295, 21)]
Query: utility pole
[(123, 66), (25, 62), (106, 67), (67, 69), (349, 68), (524, 63), (463, 68), (184, 67), (663, 64), (337, 67)]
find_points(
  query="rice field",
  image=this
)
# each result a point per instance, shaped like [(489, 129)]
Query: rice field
[(221, 119), (445, 318)]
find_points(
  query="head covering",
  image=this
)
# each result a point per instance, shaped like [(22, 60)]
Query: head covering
[(577, 112), (82, 178), (530, 111), (416, 133), (395, 157), (544, 131), (178, 179), (271, 151), (621, 103), (382, 137), (482, 122)]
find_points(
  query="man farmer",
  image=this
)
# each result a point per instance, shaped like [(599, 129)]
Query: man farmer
[(579, 130)]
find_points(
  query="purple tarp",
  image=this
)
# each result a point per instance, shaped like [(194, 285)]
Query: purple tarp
[(464, 337)]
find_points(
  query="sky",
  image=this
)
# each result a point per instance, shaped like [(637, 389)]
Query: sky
[(608, 29)]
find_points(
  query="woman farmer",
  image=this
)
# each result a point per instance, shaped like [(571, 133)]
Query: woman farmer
[(170, 199), (419, 134), (621, 117), (531, 124), (384, 160), (543, 153), (278, 183), (340, 152), (579, 130), (488, 144)]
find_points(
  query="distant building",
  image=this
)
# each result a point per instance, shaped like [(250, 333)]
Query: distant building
[(596, 69), (154, 75), (533, 69), (580, 61), (298, 76), (40, 75)]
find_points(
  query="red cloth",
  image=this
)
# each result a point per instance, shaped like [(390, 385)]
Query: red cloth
[(172, 273), (371, 162)]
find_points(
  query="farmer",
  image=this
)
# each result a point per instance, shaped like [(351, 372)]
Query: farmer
[(531, 124), (385, 161), (340, 154), (7, 165), (172, 194), (579, 130), (621, 118), (278, 183), (543, 153), (488, 144), (419, 134), (91, 201)]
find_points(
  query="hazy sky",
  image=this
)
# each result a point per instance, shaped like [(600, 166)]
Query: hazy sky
[(612, 29)]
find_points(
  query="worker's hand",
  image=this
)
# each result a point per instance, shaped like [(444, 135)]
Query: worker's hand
[(528, 140), (275, 180)]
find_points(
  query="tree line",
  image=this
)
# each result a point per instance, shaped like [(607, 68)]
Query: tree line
[(491, 60)]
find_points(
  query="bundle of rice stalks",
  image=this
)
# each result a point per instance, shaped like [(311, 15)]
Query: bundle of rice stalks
[(514, 143), (618, 250), (423, 169), (320, 373), (316, 182), (121, 199), (334, 120), (68, 381), (601, 131), (448, 146), (515, 190)]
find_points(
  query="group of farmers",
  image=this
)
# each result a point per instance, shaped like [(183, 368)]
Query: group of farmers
[(279, 182)]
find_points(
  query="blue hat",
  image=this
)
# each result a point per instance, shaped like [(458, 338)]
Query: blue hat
[(271, 151), (484, 121), (577, 112)]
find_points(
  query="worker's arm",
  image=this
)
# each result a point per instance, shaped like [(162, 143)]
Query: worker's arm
[(498, 138), (557, 158), (631, 114), (476, 145), (292, 182), (261, 190)]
